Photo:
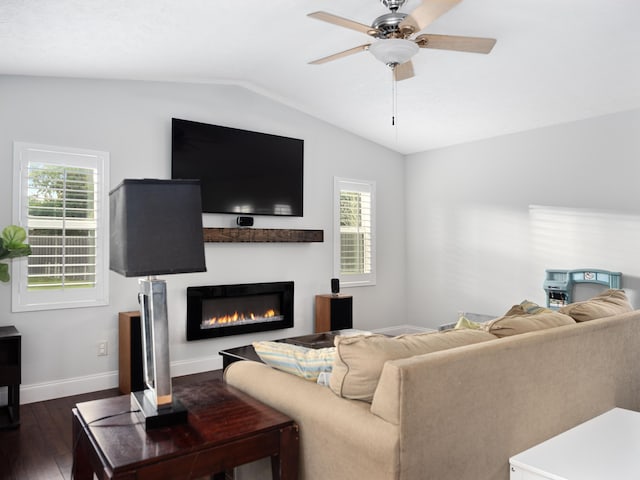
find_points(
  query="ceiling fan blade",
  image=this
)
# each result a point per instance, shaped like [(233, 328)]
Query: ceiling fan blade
[(457, 43), (427, 12), (335, 56), (403, 71), (342, 22)]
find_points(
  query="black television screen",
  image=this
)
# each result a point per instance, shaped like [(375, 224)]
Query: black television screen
[(240, 172)]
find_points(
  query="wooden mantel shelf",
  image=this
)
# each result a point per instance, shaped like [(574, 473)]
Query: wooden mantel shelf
[(262, 235)]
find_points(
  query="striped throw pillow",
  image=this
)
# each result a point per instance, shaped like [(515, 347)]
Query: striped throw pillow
[(304, 362)]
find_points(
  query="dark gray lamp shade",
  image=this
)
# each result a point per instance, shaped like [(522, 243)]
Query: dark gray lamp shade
[(156, 227)]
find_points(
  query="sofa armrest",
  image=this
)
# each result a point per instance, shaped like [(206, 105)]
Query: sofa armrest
[(339, 438), (463, 412)]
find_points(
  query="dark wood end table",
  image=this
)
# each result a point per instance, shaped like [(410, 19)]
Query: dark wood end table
[(225, 428)]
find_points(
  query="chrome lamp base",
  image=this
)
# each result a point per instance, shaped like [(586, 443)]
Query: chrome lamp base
[(156, 404)]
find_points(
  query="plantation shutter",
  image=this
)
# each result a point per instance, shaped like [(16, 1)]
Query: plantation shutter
[(355, 224), (62, 226), (355, 232), (62, 202)]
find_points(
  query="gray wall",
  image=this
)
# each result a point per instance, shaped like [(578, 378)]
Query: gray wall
[(487, 218), (131, 121)]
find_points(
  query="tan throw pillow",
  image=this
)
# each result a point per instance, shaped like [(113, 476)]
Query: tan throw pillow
[(608, 303), (526, 307), (531, 307), (516, 321), (359, 359)]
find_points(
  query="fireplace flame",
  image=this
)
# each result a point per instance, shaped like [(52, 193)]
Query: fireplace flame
[(238, 317)]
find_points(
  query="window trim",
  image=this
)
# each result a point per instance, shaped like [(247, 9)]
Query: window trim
[(368, 186), (24, 300)]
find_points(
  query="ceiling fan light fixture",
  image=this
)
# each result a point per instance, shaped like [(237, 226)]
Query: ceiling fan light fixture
[(394, 51)]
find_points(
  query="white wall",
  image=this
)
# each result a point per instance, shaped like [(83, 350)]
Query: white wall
[(485, 219), (131, 121)]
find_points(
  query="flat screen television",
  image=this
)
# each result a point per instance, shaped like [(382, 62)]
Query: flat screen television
[(240, 172)]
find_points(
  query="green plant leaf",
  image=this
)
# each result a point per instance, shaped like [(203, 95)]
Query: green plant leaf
[(12, 242), (4, 272), (13, 237), (20, 251)]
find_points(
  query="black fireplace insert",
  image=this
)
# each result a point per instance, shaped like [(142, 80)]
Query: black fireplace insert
[(222, 310)]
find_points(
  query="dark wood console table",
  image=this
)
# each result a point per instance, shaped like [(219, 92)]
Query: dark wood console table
[(225, 429)]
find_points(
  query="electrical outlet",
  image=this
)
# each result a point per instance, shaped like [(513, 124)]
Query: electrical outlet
[(103, 348)]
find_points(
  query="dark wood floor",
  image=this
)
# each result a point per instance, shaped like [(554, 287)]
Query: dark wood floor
[(40, 449)]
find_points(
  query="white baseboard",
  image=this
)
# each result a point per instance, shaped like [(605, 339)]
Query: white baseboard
[(39, 392), (199, 365)]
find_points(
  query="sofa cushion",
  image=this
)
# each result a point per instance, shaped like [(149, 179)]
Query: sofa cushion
[(517, 321), (304, 362), (532, 307), (359, 359), (608, 303)]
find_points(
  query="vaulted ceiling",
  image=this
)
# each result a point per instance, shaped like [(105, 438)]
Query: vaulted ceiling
[(554, 61)]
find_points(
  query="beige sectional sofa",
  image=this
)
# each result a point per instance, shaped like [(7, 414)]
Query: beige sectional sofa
[(458, 413)]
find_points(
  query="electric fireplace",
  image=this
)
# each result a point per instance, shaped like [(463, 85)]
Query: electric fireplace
[(222, 310)]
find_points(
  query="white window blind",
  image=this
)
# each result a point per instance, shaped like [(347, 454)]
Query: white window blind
[(62, 205), (354, 238)]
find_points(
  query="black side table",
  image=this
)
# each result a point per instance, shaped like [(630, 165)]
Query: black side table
[(10, 358)]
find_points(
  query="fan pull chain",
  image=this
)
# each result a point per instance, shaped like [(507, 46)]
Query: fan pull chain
[(394, 97)]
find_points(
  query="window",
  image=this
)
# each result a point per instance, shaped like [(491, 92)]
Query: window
[(61, 200), (354, 232)]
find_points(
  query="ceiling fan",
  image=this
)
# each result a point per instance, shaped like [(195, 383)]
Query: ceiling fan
[(394, 32)]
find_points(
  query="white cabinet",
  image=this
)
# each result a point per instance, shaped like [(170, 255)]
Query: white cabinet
[(606, 447)]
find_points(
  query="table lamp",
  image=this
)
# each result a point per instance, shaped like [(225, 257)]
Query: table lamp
[(156, 229)]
